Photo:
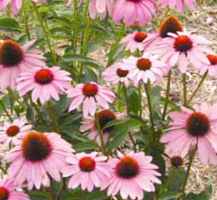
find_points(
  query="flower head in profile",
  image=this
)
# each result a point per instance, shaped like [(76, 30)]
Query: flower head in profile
[(170, 24), (100, 8), (15, 59), (179, 5), (16, 5), (88, 170), (43, 83), (132, 174), (101, 119), (211, 67), (134, 12), (117, 73), (37, 158), (183, 49), (146, 68), (190, 129), (137, 40), (91, 96), (11, 131), (10, 191)]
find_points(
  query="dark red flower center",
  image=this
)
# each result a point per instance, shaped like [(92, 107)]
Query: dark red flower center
[(212, 59), (144, 64), (140, 36), (4, 193), (87, 164), (170, 25), (127, 167), (122, 72), (12, 131), (44, 76), (183, 43), (198, 124), (36, 147), (90, 89), (103, 118), (11, 53), (176, 161)]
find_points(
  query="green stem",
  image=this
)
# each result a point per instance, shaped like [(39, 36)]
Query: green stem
[(191, 159), (100, 131), (26, 24), (184, 82), (147, 90), (127, 107), (198, 87), (167, 95), (126, 98), (46, 32), (52, 116), (85, 39), (6, 111)]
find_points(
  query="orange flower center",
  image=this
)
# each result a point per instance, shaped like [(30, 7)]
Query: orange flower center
[(36, 147), (212, 59), (44, 76), (140, 36), (170, 25), (103, 118), (12, 131), (183, 43), (4, 193), (127, 167), (122, 72), (198, 124), (87, 164), (11, 53), (144, 64), (90, 89)]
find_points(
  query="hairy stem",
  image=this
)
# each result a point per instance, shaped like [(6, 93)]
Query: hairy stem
[(198, 87), (167, 96)]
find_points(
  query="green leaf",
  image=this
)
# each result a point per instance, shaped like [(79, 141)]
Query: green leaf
[(82, 195), (175, 179), (170, 196), (120, 132), (38, 195), (9, 24), (134, 99), (82, 59), (205, 195)]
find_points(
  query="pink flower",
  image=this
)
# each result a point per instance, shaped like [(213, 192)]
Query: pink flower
[(44, 83), (180, 5), (9, 191), (132, 174), (101, 118), (183, 49), (90, 95), (211, 67), (117, 73), (134, 12), (15, 59), (16, 5), (146, 68), (189, 128), (88, 170), (11, 131), (100, 8), (137, 41), (36, 158)]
